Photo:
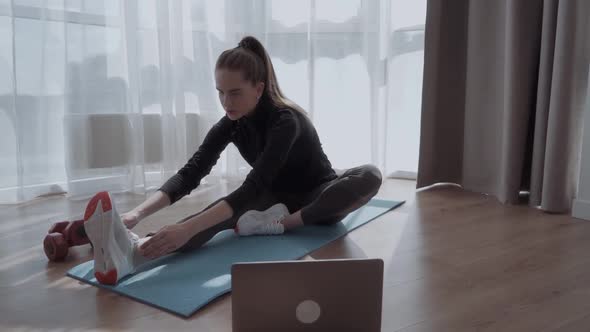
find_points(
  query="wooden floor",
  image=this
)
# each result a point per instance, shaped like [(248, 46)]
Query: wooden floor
[(454, 261)]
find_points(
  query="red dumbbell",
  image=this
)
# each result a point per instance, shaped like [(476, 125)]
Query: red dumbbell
[(63, 235)]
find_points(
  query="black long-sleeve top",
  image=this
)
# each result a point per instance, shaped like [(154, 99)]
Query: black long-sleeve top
[(281, 145)]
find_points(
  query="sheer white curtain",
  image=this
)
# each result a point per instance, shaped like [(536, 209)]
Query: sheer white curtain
[(117, 94)]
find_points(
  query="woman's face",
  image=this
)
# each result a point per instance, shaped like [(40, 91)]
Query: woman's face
[(237, 96)]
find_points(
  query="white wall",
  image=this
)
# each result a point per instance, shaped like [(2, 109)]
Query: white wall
[(581, 206)]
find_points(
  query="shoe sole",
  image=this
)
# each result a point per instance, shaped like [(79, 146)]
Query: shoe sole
[(278, 209), (98, 230)]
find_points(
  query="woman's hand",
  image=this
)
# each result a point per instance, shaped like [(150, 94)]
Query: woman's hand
[(130, 219), (165, 241)]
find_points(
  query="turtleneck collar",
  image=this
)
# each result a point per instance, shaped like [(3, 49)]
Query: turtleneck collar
[(260, 112)]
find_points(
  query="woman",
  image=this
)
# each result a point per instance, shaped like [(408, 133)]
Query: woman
[(291, 183)]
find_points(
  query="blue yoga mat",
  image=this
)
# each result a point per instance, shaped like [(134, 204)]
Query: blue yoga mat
[(184, 283)]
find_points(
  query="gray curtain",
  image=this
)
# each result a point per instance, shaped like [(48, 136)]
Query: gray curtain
[(503, 96)]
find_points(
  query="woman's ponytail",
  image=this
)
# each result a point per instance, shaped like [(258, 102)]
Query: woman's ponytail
[(251, 58)]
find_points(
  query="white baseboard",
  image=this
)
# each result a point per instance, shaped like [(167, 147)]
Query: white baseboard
[(581, 209)]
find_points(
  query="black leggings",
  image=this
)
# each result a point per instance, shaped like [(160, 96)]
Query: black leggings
[(328, 204)]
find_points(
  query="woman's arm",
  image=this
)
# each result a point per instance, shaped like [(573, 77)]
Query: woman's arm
[(188, 177), (154, 203), (200, 164)]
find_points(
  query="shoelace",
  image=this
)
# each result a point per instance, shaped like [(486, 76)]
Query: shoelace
[(274, 227), (132, 236)]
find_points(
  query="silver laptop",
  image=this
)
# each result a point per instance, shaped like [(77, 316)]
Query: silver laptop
[(315, 295)]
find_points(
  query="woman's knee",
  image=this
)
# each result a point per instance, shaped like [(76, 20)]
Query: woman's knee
[(371, 179)]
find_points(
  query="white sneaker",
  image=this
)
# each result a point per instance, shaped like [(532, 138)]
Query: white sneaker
[(112, 242), (266, 222)]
